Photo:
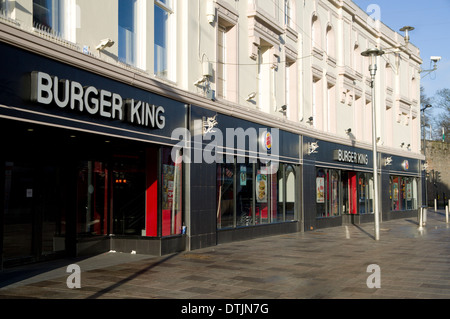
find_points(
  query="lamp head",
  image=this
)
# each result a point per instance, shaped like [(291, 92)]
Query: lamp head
[(406, 29)]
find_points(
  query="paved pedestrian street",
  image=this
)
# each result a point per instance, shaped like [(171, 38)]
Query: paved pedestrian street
[(336, 263)]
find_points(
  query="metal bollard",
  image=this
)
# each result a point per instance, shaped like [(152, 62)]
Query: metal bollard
[(446, 214), (420, 217)]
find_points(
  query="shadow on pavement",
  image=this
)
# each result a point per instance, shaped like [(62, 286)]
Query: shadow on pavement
[(129, 278), (17, 274)]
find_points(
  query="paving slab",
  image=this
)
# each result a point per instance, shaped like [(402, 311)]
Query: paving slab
[(328, 263)]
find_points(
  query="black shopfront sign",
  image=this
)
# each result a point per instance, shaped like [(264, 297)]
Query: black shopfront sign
[(41, 90), (400, 165), (351, 157), (319, 152), (247, 139)]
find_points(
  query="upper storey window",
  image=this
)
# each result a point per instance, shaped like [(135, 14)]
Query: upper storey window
[(49, 15), (3, 7), (287, 13), (163, 61), (316, 33), (331, 42), (127, 31)]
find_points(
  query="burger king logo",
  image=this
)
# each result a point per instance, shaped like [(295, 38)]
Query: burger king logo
[(405, 165), (266, 141)]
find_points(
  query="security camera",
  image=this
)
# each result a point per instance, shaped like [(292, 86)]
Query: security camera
[(200, 81), (435, 59)]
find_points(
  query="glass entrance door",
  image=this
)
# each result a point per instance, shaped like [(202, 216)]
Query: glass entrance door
[(34, 223), (92, 201), (351, 191), (128, 195), (111, 193), (18, 211)]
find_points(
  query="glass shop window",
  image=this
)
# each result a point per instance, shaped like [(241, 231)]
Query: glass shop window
[(244, 195), (171, 183), (403, 193), (225, 194), (365, 193), (328, 193), (251, 194), (287, 190)]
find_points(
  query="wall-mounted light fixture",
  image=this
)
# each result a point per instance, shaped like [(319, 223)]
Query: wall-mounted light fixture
[(348, 131), (251, 96), (105, 43), (210, 11), (310, 120)]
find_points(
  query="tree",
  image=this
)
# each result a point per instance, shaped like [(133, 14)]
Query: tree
[(442, 120), (426, 116)]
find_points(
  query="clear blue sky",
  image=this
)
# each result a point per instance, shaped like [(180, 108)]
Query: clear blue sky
[(431, 20)]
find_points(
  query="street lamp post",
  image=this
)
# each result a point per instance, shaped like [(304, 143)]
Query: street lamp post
[(373, 54)]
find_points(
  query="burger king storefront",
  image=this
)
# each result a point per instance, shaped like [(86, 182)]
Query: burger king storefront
[(86, 163), (343, 191)]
